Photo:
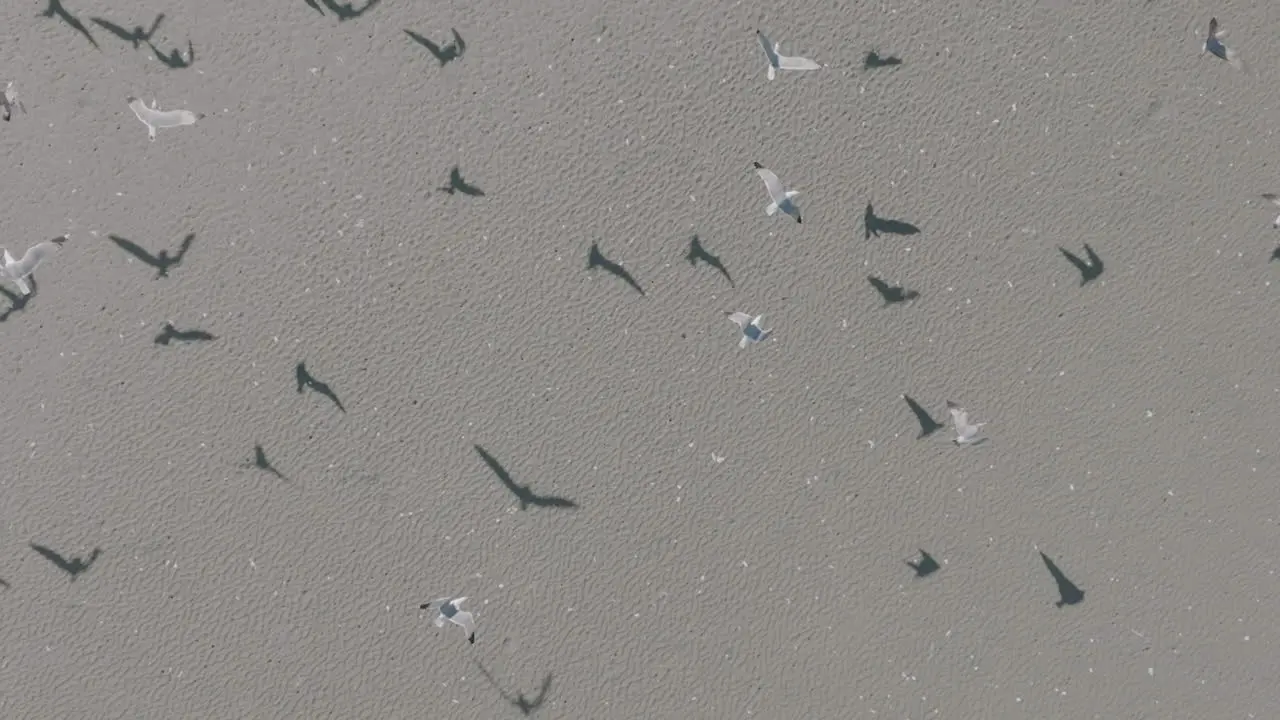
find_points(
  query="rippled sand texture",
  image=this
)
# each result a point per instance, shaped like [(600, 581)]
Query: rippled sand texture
[(382, 371)]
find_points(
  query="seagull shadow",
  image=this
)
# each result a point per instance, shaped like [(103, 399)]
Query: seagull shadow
[(873, 61), (698, 253), (170, 333), (306, 381), (260, 462), (137, 36), (873, 225), (18, 301), (526, 496), (526, 706), (458, 185), (928, 425), (596, 259), (1090, 270), (73, 566), (161, 262), (443, 54), (1070, 594), (925, 566), (55, 9), (347, 11), (891, 294), (174, 60)]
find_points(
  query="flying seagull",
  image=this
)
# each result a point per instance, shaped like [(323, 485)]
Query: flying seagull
[(782, 62), (779, 199), (966, 434), (9, 100), (17, 270), (751, 330), (450, 611), (155, 118), (1275, 200), (1213, 44)]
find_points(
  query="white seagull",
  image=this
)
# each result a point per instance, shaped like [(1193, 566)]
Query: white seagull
[(1213, 44), (966, 434), (9, 100), (779, 199), (154, 118), (782, 62), (1275, 200), (18, 270), (450, 611), (751, 330)]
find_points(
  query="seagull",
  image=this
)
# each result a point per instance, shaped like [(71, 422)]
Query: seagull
[(1213, 44), (154, 118), (1275, 200), (449, 611), (9, 100), (778, 198), (966, 434), (751, 330), (17, 270), (782, 62)]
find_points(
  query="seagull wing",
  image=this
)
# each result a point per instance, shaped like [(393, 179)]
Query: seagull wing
[(1213, 27), (465, 620), (771, 183), (797, 63), (768, 49), (35, 255), (740, 319)]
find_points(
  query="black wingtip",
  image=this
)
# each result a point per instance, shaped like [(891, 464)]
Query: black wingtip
[(472, 638), (424, 606), (798, 220), (758, 165)]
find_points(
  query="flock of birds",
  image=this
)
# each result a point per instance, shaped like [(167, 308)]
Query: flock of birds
[(781, 199)]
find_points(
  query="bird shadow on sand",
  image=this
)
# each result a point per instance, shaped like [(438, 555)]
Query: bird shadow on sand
[(55, 10), (891, 294), (72, 566), (925, 566), (1275, 254), (596, 259), (306, 381), (1090, 270), (170, 333), (260, 462), (343, 12), (526, 706), (444, 54), (1068, 592), (18, 301), (928, 425), (873, 225), (174, 60), (163, 261), (526, 496), (136, 37), (874, 60), (458, 185), (697, 253)]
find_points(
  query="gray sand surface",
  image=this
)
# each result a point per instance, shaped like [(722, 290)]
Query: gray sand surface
[(1132, 420)]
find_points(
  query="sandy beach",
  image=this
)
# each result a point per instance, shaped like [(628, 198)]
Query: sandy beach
[(741, 520)]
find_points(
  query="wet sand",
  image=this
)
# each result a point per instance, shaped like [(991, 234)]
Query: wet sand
[(743, 518)]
